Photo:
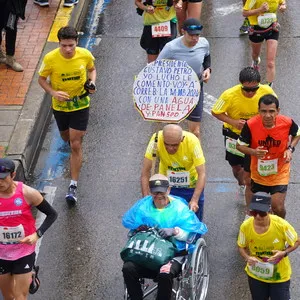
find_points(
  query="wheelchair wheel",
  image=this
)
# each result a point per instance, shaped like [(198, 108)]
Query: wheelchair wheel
[(199, 278)]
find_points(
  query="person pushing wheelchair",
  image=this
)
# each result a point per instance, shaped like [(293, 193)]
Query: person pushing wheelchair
[(174, 222)]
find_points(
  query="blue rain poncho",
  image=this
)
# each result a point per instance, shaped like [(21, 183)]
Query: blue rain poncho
[(175, 214)]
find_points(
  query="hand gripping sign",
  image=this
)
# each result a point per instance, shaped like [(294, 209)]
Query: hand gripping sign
[(166, 91)]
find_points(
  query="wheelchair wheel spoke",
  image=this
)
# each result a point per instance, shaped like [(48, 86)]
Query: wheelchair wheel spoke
[(200, 273)]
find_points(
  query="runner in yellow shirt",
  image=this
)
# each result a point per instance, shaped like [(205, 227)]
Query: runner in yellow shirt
[(181, 159), (265, 241), (233, 108), (68, 68), (160, 25), (264, 26)]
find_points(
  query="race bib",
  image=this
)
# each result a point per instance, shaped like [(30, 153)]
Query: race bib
[(11, 235), (161, 29), (231, 147), (262, 270), (267, 167), (266, 20), (179, 179)]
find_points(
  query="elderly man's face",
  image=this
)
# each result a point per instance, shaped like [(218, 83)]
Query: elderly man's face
[(160, 199), (172, 143)]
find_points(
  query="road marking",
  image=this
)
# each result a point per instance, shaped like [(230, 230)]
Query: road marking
[(49, 192), (208, 103), (229, 9), (62, 19)]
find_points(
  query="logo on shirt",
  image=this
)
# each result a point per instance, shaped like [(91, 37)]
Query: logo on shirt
[(276, 241), (269, 142), (18, 201)]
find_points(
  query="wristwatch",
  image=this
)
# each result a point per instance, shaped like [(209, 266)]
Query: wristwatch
[(291, 148), (39, 233)]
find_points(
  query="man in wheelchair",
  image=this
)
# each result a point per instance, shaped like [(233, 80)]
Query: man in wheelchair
[(174, 222)]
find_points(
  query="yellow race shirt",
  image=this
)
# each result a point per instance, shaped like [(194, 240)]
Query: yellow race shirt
[(261, 246), (68, 75), (237, 106), (253, 4), (162, 13), (183, 163)]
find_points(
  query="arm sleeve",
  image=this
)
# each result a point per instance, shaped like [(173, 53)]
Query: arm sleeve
[(51, 215), (207, 62), (245, 137), (294, 130)]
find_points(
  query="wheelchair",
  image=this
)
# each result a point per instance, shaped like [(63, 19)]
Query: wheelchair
[(192, 282)]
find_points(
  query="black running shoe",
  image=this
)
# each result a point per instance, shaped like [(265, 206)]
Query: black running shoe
[(71, 195), (35, 283), (70, 3)]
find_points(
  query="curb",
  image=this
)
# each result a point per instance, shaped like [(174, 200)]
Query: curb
[(29, 131)]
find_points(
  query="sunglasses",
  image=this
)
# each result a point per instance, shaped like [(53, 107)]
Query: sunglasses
[(250, 89), (3, 169), (254, 213), (193, 27)]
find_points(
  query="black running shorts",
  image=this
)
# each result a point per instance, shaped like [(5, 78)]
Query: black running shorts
[(154, 45), (75, 119), (22, 265), (256, 187)]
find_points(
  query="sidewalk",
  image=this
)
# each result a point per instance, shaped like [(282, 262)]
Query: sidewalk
[(24, 108)]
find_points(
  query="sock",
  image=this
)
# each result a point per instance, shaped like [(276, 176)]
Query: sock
[(73, 182)]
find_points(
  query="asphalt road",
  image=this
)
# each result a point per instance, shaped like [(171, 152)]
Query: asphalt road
[(79, 257)]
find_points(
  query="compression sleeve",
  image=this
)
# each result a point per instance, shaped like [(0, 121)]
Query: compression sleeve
[(50, 212), (207, 62)]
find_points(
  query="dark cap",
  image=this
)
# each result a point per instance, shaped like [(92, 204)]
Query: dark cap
[(192, 26), (6, 167), (260, 201), (158, 185)]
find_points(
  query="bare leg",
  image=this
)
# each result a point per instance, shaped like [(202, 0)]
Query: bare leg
[(271, 56), (76, 137), (278, 204), (22, 282), (151, 57), (7, 286), (65, 135), (248, 193), (194, 10), (181, 16), (256, 47), (194, 127), (238, 173)]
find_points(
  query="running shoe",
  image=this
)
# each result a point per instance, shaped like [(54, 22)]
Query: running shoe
[(241, 190), (244, 29), (255, 64), (70, 3), (41, 2), (35, 282), (71, 195)]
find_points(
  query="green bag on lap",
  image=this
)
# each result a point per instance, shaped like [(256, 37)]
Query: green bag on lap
[(149, 249)]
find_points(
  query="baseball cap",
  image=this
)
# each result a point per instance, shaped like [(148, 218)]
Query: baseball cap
[(192, 26), (6, 167), (158, 185), (260, 201)]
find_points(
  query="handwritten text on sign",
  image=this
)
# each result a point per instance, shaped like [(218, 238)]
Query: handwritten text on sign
[(166, 91)]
